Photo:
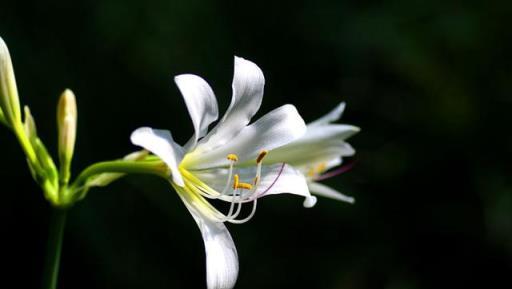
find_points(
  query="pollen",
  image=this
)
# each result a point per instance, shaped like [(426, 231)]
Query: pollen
[(244, 186), (240, 185), (321, 167), (263, 154), (317, 169), (232, 157), (236, 180)]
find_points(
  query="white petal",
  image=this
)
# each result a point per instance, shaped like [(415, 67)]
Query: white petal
[(309, 202), (201, 104), (221, 255), (161, 143), (319, 144), (332, 116), (333, 163), (275, 179), (248, 83), (273, 130), (282, 178), (325, 191)]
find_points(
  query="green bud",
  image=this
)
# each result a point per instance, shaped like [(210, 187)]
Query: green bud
[(66, 125), (9, 101), (45, 173)]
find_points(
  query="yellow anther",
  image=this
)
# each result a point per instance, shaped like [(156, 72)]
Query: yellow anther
[(317, 169), (235, 182), (263, 153), (244, 186), (239, 185), (232, 157), (320, 168)]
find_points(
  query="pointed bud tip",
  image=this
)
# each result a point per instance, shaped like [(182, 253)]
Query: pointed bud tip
[(3, 46), (66, 109), (9, 101), (68, 99)]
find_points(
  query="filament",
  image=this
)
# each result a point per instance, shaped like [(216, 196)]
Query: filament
[(246, 219)]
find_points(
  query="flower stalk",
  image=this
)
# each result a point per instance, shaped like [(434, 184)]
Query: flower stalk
[(54, 248), (157, 168)]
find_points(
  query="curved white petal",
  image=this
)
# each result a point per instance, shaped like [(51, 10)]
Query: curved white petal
[(248, 84), (319, 144), (161, 143), (201, 104), (310, 202), (282, 178), (325, 191), (221, 255), (331, 116), (333, 163), (275, 179), (273, 130)]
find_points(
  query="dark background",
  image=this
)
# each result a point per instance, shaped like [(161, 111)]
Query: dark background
[(428, 83)]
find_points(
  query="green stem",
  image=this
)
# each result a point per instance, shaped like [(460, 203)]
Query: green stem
[(54, 248), (122, 166)]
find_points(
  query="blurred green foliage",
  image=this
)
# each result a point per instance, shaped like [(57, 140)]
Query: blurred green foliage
[(427, 81)]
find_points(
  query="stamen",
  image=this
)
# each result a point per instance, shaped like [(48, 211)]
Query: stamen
[(238, 209), (236, 179), (253, 211), (231, 207), (317, 169), (244, 186), (230, 173), (232, 157), (320, 168), (261, 156), (259, 160), (230, 215), (311, 172)]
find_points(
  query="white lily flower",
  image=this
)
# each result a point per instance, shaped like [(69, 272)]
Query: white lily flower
[(320, 149), (227, 162)]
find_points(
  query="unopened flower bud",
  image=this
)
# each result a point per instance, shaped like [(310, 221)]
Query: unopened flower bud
[(9, 101), (66, 125)]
